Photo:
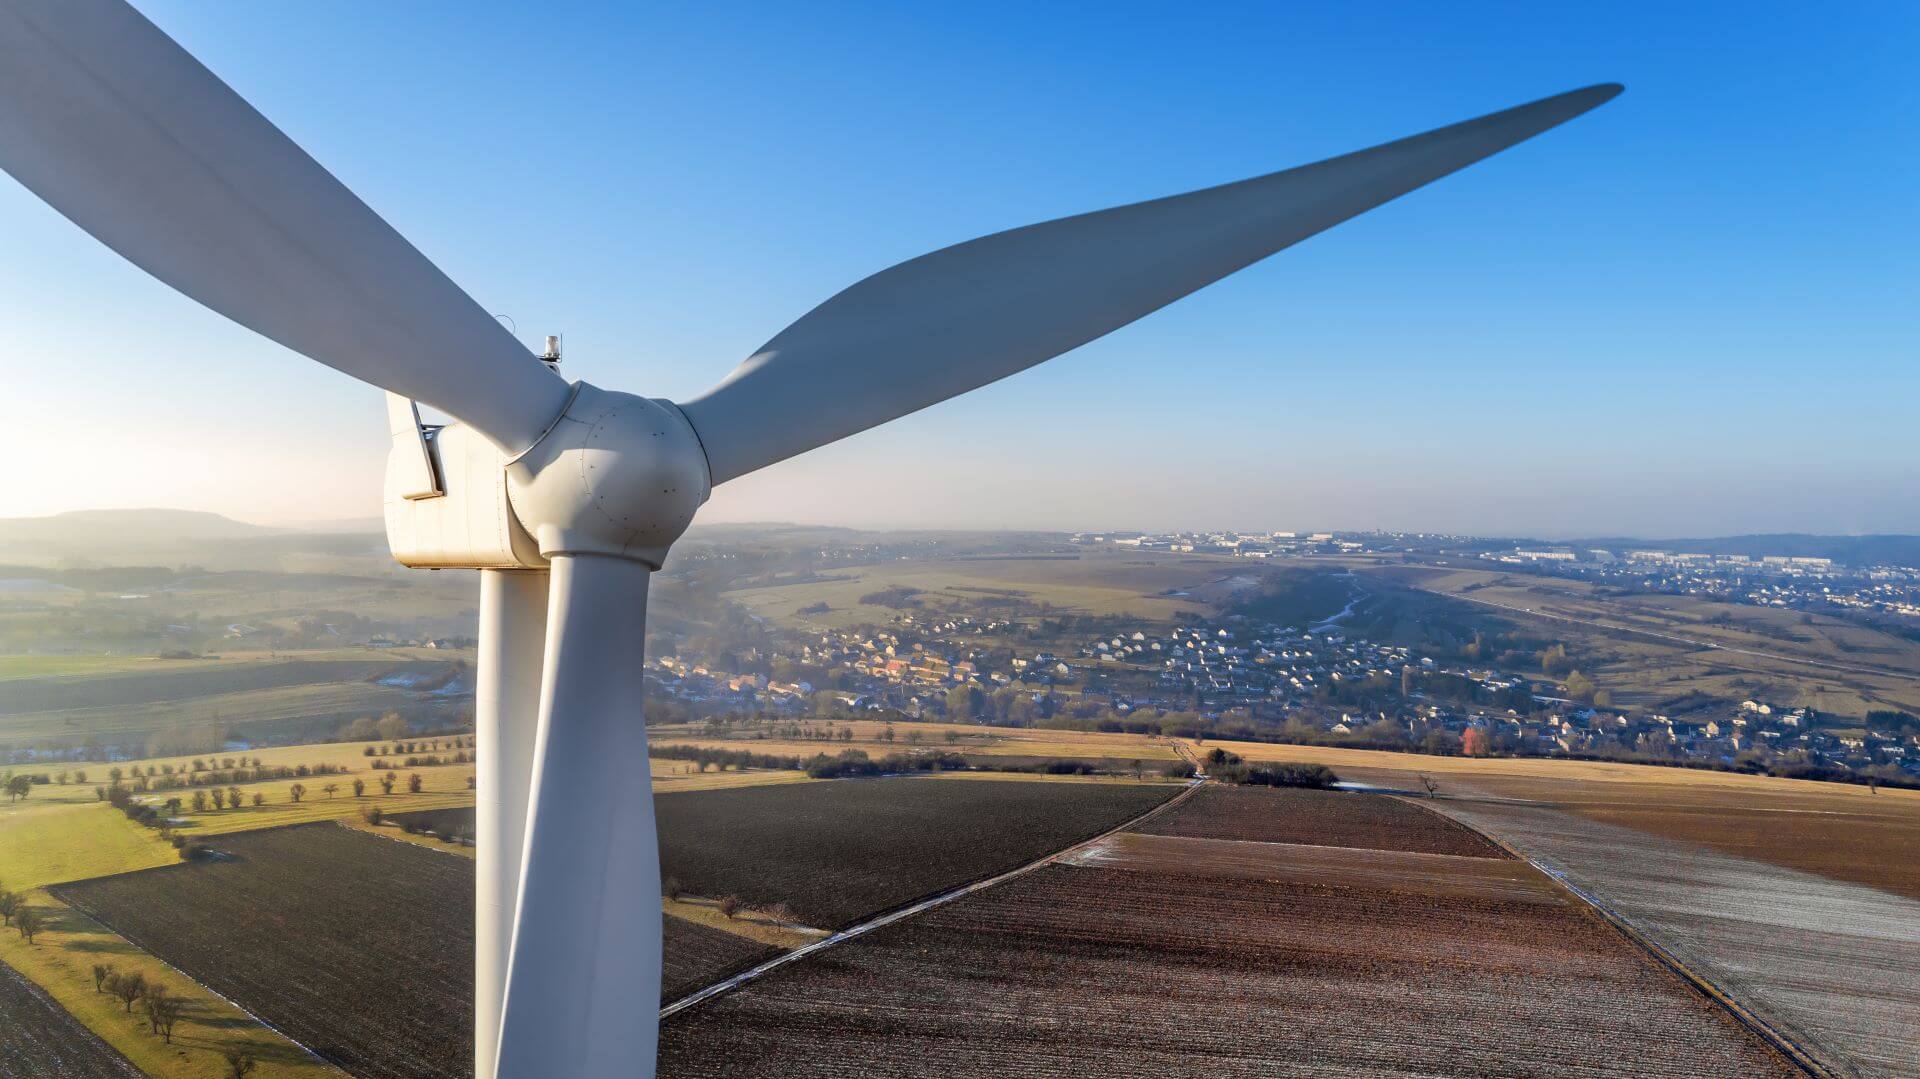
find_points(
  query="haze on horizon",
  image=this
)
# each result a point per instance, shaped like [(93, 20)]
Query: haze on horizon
[(1686, 314)]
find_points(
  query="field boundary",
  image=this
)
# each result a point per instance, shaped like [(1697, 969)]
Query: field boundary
[(1700, 983), (881, 921), (72, 903)]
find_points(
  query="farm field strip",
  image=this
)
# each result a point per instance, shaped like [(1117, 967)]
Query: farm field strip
[(1832, 966), (1320, 818), (924, 905), (1433, 874), (43, 1039), (837, 852), (299, 929), (59, 963), (1136, 974)]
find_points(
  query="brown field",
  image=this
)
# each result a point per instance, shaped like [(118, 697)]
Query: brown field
[(360, 949), (1842, 832), (1839, 830), (1834, 966), (838, 852), (696, 956), (1322, 818), (1404, 871), (1171, 967)]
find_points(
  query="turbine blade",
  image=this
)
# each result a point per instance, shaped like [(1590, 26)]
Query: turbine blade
[(583, 980), (959, 318), (117, 127)]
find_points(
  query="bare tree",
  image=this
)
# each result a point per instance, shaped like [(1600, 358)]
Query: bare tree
[(163, 1010), (9, 906), (1427, 782), (413, 783), (259, 799), (233, 796), (219, 798), (101, 972), (386, 783), (330, 790), (129, 987), (239, 1065), (359, 788), (297, 792), (729, 905), (27, 922)]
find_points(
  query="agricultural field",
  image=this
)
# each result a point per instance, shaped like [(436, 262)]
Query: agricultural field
[(311, 694), (969, 740), (41, 1039), (1317, 818), (1150, 955), (50, 844), (1834, 966), (1143, 585), (835, 852), (695, 956), (358, 948), (1659, 651)]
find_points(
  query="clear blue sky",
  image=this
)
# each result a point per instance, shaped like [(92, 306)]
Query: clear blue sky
[(1690, 312)]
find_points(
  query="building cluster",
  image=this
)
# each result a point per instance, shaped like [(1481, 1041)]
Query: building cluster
[(1343, 686), (1783, 581), (1242, 544)]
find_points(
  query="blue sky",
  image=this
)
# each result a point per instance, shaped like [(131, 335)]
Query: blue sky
[(1690, 312)]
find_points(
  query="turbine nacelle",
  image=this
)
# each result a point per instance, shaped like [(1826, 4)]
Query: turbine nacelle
[(615, 475)]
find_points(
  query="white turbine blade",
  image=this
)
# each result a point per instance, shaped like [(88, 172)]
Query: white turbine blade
[(506, 711), (117, 127), (583, 982), (959, 318)]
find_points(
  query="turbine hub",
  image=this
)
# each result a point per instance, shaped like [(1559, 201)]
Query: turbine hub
[(615, 475)]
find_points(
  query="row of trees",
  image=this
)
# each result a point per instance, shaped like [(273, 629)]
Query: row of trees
[(24, 919), (161, 1006)]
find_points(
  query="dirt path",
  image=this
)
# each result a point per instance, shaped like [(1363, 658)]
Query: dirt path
[(1832, 966), (942, 899)]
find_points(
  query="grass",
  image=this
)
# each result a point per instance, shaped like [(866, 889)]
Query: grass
[(750, 924), (1138, 585), (57, 666), (52, 844), (61, 959), (673, 777)]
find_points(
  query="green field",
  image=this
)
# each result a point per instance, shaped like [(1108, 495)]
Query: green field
[(1659, 652), (1151, 587)]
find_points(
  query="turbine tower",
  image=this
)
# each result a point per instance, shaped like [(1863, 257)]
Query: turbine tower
[(567, 497)]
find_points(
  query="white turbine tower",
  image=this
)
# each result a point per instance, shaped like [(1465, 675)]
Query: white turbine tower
[(567, 497)]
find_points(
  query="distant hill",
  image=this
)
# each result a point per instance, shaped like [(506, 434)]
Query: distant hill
[(1851, 550), (151, 523), (165, 537)]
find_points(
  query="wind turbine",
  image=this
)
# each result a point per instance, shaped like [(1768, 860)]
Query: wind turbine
[(567, 497)]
